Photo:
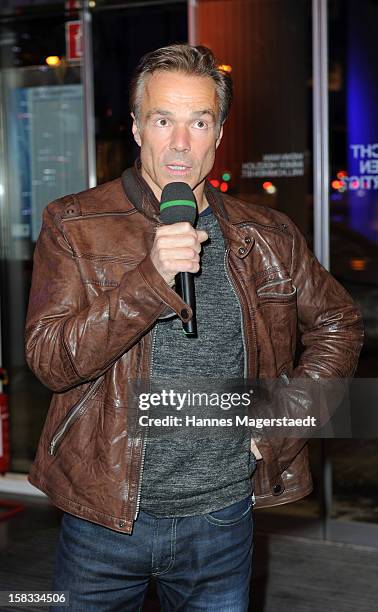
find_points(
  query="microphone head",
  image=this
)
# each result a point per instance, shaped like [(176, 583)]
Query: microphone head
[(177, 204)]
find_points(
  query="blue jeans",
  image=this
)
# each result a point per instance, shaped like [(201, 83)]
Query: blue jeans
[(200, 562)]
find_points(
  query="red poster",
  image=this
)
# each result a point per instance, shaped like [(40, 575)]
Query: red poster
[(74, 44)]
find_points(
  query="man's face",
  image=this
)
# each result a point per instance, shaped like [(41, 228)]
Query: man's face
[(178, 129)]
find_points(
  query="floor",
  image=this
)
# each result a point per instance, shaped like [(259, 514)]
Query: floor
[(291, 573)]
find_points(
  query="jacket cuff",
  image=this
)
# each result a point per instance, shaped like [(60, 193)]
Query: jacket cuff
[(156, 282)]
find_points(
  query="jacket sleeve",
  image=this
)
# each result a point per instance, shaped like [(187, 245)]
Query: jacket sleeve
[(331, 333), (69, 341), (330, 323)]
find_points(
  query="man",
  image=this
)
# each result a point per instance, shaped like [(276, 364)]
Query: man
[(103, 310)]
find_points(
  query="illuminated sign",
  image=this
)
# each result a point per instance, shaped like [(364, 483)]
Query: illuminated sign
[(365, 162)]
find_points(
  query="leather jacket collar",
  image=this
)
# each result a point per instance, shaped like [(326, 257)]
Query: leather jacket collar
[(144, 200)]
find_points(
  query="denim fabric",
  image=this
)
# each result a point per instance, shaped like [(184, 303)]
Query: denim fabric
[(199, 562)]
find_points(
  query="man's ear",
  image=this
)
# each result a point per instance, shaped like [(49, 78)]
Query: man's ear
[(219, 137), (135, 130)]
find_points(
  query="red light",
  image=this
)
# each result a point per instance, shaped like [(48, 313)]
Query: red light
[(336, 184), (267, 184), (342, 174), (214, 183), (224, 187)]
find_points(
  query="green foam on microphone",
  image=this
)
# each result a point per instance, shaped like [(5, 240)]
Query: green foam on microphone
[(178, 204)]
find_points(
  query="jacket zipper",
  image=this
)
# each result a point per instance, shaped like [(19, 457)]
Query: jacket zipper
[(275, 293), (275, 282), (72, 416), (227, 270), (146, 433)]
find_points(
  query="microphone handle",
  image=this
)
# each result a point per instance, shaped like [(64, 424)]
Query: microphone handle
[(185, 289)]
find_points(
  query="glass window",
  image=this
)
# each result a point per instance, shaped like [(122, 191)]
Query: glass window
[(41, 158), (353, 98)]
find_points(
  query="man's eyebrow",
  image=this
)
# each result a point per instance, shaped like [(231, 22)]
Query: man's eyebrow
[(206, 111), (158, 111), (166, 113)]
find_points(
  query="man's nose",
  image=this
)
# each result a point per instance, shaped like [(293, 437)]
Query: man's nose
[(180, 140)]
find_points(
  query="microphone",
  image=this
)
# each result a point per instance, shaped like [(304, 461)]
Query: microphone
[(178, 204)]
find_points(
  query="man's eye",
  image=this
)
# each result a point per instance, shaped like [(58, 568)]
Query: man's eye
[(201, 124), (162, 122)]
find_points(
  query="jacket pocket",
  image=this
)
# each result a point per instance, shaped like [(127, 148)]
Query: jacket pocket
[(277, 305), (73, 415), (279, 290)]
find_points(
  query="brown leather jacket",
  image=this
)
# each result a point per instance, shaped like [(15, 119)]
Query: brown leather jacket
[(94, 300)]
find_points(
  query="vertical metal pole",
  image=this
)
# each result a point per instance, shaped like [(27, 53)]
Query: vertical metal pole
[(320, 129), (321, 196), (4, 208), (88, 98), (3, 247), (192, 22)]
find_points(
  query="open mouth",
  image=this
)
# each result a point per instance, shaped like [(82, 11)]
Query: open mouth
[(178, 168)]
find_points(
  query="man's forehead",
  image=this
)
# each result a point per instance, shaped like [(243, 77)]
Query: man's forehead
[(165, 90)]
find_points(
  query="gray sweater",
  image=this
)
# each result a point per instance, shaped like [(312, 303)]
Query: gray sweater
[(191, 470)]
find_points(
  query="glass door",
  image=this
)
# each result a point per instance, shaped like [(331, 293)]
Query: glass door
[(41, 158)]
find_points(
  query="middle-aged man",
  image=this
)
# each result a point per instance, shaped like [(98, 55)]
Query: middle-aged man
[(103, 310)]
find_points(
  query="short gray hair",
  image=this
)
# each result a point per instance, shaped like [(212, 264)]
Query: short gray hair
[(188, 59)]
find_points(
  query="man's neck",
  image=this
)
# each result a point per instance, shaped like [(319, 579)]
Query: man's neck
[(204, 204), (201, 199)]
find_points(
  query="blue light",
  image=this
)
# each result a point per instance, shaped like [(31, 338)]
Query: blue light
[(362, 100)]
